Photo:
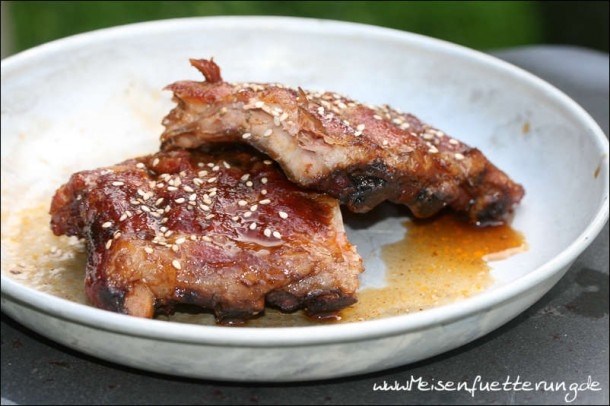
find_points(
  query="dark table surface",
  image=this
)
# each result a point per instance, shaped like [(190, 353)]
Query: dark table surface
[(562, 339)]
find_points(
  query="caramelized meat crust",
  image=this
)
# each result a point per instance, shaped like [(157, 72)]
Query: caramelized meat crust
[(223, 230), (358, 153)]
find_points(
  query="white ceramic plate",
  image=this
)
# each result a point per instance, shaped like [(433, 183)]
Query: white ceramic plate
[(93, 99)]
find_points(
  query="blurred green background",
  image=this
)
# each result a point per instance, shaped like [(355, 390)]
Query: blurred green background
[(482, 25)]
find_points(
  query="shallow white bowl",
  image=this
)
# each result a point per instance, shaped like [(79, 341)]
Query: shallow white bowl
[(93, 99)]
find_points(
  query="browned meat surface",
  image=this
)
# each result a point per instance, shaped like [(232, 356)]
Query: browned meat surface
[(221, 230), (360, 154)]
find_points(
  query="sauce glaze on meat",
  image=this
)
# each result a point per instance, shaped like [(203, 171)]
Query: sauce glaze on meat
[(359, 153), (222, 230)]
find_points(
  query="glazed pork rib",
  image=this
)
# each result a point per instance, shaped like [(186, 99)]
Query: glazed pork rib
[(360, 154), (221, 230)]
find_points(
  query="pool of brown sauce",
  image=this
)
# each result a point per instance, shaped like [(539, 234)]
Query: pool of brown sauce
[(439, 261)]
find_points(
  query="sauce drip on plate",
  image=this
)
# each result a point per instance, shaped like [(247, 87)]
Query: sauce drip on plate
[(439, 261)]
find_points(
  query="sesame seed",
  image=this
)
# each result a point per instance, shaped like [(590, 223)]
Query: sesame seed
[(245, 136), (180, 200), (268, 132), (192, 197), (249, 183), (263, 192), (432, 150), (206, 238), (145, 208), (155, 162), (108, 244), (384, 142), (247, 214), (252, 226), (172, 188), (180, 240), (216, 168), (176, 264), (283, 214), (264, 181), (123, 217), (277, 234), (242, 203), (107, 224), (267, 232), (211, 180), (245, 177), (159, 201), (187, 188), (458, 156), (140, 165), (148, 250), (265, 201), (259, 104), (203, 173), (377, 117), (175, 248), (118, 183), (360, 127), (453, 141), (204, 207), (254, 207), (267, 162)]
